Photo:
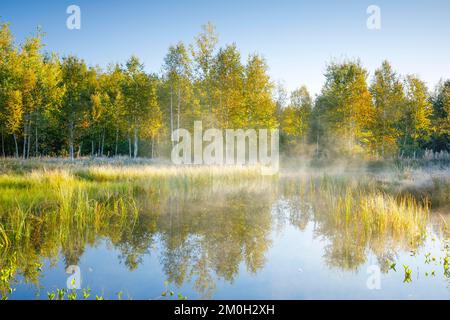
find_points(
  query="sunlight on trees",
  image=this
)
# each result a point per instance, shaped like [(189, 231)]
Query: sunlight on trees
[(53, 106)]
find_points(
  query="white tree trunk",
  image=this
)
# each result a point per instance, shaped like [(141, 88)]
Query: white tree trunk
[(135, 143), (71, 150), (179, 108), (129, 145), (17, 146), (171, 115), (3, 145)]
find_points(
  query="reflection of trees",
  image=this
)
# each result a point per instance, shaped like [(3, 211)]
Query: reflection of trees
[(67, 225), (344, 252), (72, 251), (135, 243), (214, 235), (205, 232), (341, 214)]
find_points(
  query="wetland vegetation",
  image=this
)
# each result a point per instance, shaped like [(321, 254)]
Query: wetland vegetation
[(86, 184), (206, 225)]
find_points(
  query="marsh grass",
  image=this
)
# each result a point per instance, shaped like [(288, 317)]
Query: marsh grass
[(42, 211), (375, 212), (48, 207), (84, 197), (45, 210), (360, 214)]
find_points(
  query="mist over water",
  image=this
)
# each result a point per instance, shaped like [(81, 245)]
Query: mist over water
[(229, 233)]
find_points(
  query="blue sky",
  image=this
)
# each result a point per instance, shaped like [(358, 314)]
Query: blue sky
[(296, 37)]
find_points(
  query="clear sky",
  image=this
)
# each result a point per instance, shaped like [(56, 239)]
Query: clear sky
[(296, 37)]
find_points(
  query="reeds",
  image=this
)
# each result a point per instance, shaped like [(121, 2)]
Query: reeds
[(356, 214), (52, 207), (369, 208)]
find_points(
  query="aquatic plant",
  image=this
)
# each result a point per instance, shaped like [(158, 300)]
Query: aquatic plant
[(62, 209), (408, 274)]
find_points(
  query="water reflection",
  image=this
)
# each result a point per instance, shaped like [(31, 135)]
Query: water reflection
[(206, 233)]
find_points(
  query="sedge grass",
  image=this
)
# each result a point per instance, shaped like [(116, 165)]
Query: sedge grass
[(64, 208)]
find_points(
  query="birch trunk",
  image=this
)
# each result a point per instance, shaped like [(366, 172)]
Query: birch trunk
[(117, 142), (3, 145), (24, 149), (36, 142), (171, 115), (103, 143), (153, 146), (178, 108), (29, 142), (135, 142), (71, 150), (17, 146), (129, 145)]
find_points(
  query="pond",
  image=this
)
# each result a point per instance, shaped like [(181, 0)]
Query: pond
[(290, 237)]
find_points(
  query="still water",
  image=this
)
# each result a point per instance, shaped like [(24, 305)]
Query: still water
[(263, 240)]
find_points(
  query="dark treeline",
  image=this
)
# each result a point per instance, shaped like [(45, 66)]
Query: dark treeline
[(52, 106)]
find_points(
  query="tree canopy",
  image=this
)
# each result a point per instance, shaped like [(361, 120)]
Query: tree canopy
[(62, 106)]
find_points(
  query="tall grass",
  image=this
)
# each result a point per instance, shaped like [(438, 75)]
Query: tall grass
[(46, 210), (359, 214), (51, 207)]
